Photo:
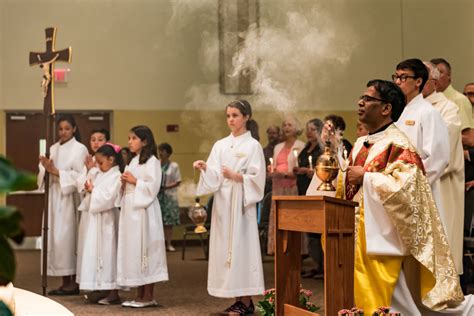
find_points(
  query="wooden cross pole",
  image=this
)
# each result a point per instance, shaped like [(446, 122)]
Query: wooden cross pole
[(46, 61)]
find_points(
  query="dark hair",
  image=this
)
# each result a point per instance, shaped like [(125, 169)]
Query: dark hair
[(273, 126), (70, 119), (165, 147), (317, 123), (125, 151), (145, 134), (418, 68), (244, 107), (337, 121), (390, 93), (108, 151), (252, 126), (102, 131), (443, 61)]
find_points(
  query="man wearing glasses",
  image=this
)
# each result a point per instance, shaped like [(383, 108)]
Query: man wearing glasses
[(422, 123), (452, 180), (397, 216)]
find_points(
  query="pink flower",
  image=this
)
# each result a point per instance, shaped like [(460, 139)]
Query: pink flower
[(271, 300)]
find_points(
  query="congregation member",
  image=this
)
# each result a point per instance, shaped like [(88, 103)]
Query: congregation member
[(273, 137), (398, 217), (304, 173), (307, 158), (235, 174), (65, 166), (168, 195), (285, 158), (469, 187), (452, 179), (339, 124)]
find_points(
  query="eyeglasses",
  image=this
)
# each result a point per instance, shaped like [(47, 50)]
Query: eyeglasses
[(402, 78), (469, 94), (368, 98)]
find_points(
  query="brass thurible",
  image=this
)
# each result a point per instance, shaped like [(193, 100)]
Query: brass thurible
[(327, 168), (198, 215)]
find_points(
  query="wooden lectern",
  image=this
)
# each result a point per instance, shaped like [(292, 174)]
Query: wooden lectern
[(334, 219)]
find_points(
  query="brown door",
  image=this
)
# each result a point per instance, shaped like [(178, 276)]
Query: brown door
[(24, 130)]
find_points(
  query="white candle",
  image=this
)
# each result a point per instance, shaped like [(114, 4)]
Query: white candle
[(310, 159), (271, 164), (295, 153), (42, 147), (345, 154)]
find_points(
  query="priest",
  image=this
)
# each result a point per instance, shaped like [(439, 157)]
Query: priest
[(398, 217), (452, 180)]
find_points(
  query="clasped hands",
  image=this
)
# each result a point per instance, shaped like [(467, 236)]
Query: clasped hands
[(128, 177)]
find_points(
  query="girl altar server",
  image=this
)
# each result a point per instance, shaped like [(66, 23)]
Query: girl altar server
[(99, 253), (98, 138), (141, 254), (65, 166), (235, 173)]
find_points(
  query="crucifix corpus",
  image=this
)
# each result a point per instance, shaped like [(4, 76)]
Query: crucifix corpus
[(46, 61)]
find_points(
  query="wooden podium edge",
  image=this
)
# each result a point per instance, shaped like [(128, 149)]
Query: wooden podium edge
[(291, 310), (314, 198)]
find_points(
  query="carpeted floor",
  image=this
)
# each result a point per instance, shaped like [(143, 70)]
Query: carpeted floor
[(184, 294)]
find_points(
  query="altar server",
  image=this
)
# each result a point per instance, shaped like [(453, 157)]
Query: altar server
[(65, 166), (141, 254), (235, 174), (99, 253)]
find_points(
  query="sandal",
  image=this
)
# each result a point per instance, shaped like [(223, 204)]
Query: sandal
[(241, 308)]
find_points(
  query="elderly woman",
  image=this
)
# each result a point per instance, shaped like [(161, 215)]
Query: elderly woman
[(285, 158)]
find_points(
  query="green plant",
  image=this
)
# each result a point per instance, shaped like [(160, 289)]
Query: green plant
[(11, 179), (267, 305)]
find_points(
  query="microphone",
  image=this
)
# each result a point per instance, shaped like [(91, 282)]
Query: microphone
[(366, 143)]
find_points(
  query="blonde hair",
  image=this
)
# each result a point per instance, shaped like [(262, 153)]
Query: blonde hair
[(296, 123)]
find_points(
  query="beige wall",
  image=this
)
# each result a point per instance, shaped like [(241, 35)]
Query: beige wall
[(145, 60), (146, 54)]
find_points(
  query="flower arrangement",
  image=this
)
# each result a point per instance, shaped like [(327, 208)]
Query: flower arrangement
[(381, 311), (267, 305)]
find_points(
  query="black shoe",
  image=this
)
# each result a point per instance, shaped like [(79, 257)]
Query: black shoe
[(62, 292), (240, 308)]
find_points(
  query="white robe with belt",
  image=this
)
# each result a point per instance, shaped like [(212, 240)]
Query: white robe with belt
[(141, 253), (63, 202), (452, 180), (428, 133), (235, 263), (99, 254)]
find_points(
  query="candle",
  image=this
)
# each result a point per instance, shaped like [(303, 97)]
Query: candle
[(271, 164), (42, 147), (345, 154), (310, 159), (295, 153)]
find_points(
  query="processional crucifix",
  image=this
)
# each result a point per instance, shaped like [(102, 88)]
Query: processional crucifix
[(46, 61)]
